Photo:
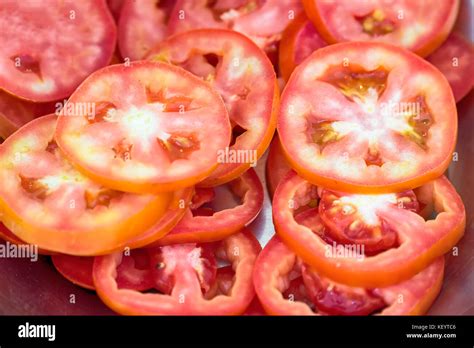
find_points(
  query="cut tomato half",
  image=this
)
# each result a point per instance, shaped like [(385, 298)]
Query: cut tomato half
[(277, 166), (246, 81), (454, 59), (420, 26), (368, 118), (47, 202), (186, 287), (262, 21), (16, 112), (298, 41), (142, 26), (287, 286), (76, 269), (164, 134), (205, 225), (417, 242), (47, 62)]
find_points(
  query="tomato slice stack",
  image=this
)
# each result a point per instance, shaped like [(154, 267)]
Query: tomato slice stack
[(130, 131)]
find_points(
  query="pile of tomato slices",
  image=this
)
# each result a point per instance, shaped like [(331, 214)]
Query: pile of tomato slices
[(130, 131)]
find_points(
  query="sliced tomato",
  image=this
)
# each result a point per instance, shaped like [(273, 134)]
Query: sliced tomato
[(419, 242), (262, 21), (15, 112), (10, 237), (142, 26), (188, 271), (358, 219), (420, 26), (298, 41), (369, 125), (277, 166), (47, 62), (199, 226), (164, 134), (454, 59), (244, 77), (47, 202), (277, 264), (77, 269)]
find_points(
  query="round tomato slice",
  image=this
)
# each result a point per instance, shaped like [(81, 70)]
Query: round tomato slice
[(161, 131), (186, 268), (419, 241), (47, 62), (282, 291), (47, 202), (420, 26), (246, 81), (10, 237), (277, 166), (76, 269), (16, 112), (142, 26), (199, 226), (262, 21), (454, 59), (298, 41), (368, 125)]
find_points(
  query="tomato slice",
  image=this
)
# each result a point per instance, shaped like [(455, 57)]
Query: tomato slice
[(16, 112), (10, 237), (76, 269), (454, 59), (48, 203), (142, 26), (244, 77), (277, 166), (281, 293), (198, 226), (47, 62), (358, 219), (298, 41), (262, 21), (418, 26), (184, 263), (420, 242), (163, 136), (383, 124)]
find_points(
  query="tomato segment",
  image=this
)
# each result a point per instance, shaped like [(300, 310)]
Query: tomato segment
[(77, 269), (205, 225), (358, 219), (418, 26), (185, 265), (42, 67), (420, 242), (244, 78), (241, 16), (375, 125), (453, 58), (48, 203), (140, 143)]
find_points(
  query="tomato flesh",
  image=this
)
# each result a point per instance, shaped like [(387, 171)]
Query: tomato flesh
[(367, 126)]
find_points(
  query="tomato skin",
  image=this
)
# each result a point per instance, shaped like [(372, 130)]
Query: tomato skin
[(277, 262), (416, 252), (217, 226), (186, 284), (312, 9), (76, 269), (321, 164), (276, 167), (236, 88), (290, 44)]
